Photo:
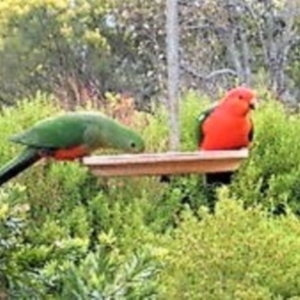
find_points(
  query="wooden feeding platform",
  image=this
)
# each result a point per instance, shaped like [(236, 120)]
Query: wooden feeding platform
[(167, 163)]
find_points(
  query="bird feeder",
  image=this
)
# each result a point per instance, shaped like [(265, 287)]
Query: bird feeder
[(168, 163)]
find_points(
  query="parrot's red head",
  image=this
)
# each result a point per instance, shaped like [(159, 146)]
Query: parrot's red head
[(240, 100)]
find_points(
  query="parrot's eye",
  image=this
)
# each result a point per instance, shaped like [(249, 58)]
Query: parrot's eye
[(132, 145), (241, 97)]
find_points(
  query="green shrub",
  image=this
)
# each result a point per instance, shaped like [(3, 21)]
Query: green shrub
[(67, 210), (73, 223), (156, 133), (102, 276), (64, 268), (11, 225), (234, 254), (271, 175)]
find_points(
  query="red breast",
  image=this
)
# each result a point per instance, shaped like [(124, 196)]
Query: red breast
[(71, 153), (224, 132)]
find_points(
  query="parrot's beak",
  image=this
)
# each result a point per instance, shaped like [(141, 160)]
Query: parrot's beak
[(254, 103)]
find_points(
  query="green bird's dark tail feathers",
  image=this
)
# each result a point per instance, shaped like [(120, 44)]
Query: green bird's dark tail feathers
[(17, 165)]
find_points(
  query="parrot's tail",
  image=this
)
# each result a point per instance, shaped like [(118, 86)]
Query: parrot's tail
[(212, 181), (26, 159), (215, 179)]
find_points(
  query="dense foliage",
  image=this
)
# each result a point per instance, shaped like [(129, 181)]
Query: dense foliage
[(68, 235)]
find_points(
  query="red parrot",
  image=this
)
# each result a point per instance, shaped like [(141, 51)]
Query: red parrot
[(227, 126)]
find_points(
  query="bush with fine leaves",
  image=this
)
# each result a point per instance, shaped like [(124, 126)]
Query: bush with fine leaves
[(235, 254), (66, 234), (271, 175)]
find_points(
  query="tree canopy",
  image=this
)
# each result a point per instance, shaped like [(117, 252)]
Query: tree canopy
[(82, 49)]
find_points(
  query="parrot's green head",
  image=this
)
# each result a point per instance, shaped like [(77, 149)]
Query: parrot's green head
[(130, 141), (117, 136)]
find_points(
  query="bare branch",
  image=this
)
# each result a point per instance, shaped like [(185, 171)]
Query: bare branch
[(196, 27), (209, 76), (233, 52), (246, 57), (260, 30)]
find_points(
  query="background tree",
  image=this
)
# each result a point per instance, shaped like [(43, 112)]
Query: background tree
[(81, 49), (173, 71)]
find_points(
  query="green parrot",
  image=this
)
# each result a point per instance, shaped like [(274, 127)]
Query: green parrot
[(68, 137)]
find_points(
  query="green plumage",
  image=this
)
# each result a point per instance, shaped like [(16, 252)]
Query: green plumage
[(88, 129), (78, 128)]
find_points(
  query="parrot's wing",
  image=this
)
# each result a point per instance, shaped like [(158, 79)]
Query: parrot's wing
[(200, 120), (54, 133), (251, 132)]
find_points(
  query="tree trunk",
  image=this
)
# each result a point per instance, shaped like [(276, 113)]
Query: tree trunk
[(172, 29)]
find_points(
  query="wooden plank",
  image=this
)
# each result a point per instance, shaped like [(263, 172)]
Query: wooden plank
[(165, 163)]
